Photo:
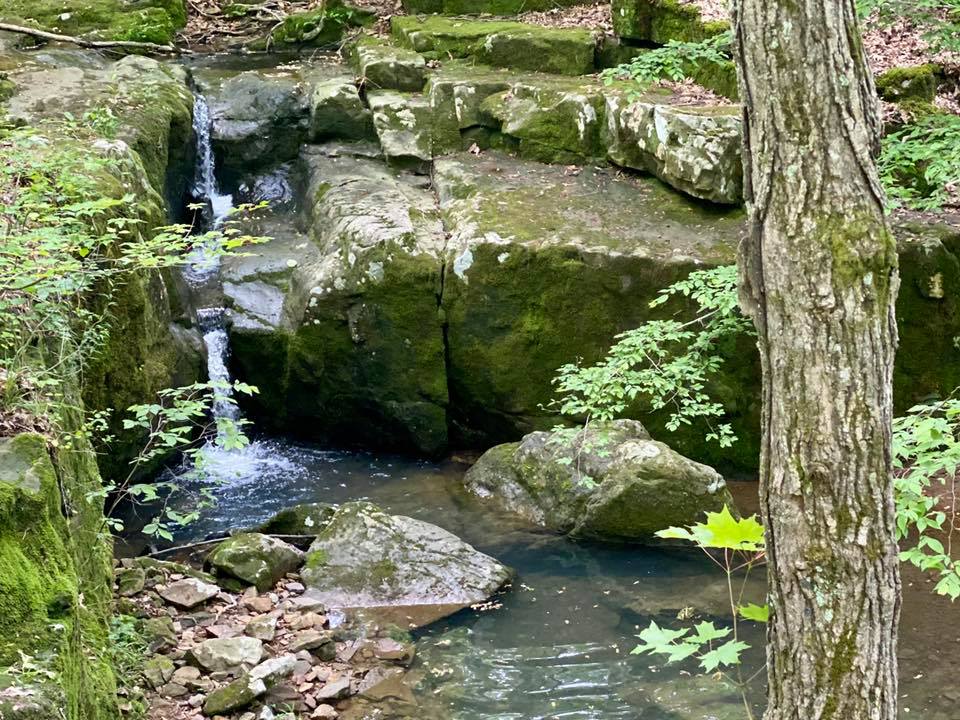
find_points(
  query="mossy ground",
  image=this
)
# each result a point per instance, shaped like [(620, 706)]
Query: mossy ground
[(153, 21)]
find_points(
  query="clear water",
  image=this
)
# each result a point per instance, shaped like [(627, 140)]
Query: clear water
[(556, 645)]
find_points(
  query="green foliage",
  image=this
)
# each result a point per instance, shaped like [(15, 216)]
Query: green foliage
[(937, 18), (128, 650), (721, 531), (919, 164), (664, 363), (736, 546), (674, 61), (179, 421), (66, 247), (926, 453)]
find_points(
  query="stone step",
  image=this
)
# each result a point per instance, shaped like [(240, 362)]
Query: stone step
[(499, 43)]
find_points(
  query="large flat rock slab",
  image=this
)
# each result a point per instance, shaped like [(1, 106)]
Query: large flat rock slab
[(547, 264), (367, 559)]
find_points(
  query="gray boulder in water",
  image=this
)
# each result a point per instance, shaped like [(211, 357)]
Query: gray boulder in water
[(367, 559), (609, 482)]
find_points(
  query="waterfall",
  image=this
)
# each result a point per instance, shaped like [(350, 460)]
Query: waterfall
[(205, 180), (203, 268), (203, 265)]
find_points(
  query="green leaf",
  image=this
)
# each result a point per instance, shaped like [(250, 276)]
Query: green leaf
[(658, 640), (726, 655), (757, 613), (706, 632)]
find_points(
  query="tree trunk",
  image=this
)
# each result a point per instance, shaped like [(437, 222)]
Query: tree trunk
[(819, 277)]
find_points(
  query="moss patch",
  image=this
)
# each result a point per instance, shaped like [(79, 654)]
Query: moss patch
[(499, 43), (147, 21)]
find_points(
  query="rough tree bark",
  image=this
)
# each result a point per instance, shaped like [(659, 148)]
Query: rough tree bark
[(819, 277)]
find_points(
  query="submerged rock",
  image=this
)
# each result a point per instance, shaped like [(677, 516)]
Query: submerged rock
[(609, 482), (368, 559), (256, 559)]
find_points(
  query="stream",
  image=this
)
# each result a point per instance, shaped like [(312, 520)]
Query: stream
[(557, 644)]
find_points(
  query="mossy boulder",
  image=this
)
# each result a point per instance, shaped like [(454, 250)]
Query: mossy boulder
[(366, 558), (541, 260), (337, 111), (917, 83), (499, 43), (694, 149), (608, 482), (384, 66), (306, 519), (554, 122), (257, 559), (660, 21), (153, 21)]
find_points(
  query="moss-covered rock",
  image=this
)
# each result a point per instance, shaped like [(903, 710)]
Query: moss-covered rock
[(609, 482), (553, 122), (482, 7), (55, 576), (694, 149), (153, 21), (407, 129), (306, 519), (257, 559), (499, 43), (660, 21), (143, 109), (918, 82), (366, 558), (337, 111), (383, 66), (545, 266), (321, 27), (356, 354)]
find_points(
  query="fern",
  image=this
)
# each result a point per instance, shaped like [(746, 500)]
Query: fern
[(920, 164)]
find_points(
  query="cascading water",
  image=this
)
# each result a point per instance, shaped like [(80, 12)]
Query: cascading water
[(202, 272), (205, 182)]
